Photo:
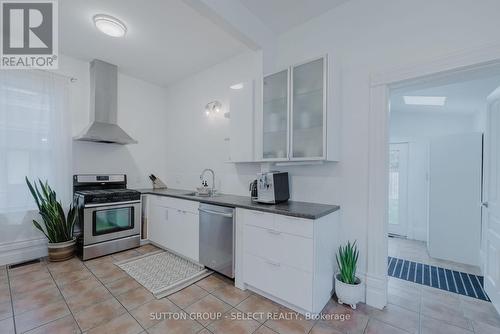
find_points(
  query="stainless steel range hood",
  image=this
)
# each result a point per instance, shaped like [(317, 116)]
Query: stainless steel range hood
[(103, 107)]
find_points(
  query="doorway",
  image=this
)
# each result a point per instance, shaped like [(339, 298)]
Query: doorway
[(435, 184)]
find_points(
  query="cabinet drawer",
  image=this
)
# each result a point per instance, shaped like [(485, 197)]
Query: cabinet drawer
[(176, 203), (294, 286), (259, 218), (293, 225), (260, 273), (284, 248), (289, 284)]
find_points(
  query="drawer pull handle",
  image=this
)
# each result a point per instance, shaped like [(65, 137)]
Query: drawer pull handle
[(275, 264), (274, 232)]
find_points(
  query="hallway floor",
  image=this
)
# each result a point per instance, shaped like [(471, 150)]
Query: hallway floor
[(98, 297), (415, 250)]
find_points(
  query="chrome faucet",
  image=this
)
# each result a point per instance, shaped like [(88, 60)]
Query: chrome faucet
[(212, 191)]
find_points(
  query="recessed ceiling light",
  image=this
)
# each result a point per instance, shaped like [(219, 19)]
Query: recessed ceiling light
[(425, 100), (110, 25), (237, 86)]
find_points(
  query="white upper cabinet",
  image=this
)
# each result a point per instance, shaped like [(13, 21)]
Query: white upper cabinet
[(241, 119), (284, 116), (275, 116), (294, 114), (308, 111)]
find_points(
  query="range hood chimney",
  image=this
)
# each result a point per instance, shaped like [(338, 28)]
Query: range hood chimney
[(103, 107)]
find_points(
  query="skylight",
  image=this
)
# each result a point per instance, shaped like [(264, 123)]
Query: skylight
[(425, 100)]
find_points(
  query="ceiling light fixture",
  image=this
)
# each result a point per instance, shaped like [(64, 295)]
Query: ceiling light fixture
[(213, 107), (237, 86), (110, 25), (425, 100)]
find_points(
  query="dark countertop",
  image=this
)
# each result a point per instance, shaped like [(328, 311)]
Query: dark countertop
[(291, 208)]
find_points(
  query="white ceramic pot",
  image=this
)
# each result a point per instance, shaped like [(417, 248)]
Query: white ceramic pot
[(350, 294)]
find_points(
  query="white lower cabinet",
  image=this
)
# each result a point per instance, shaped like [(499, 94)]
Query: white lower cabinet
[(157, 224), (174, 224), (289, 260)]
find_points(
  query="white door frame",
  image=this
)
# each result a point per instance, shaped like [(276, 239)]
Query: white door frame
[(378, 151), (402, 228)]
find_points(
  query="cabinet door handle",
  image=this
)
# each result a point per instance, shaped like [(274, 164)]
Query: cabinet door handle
[(166, 214), (275, 232), (273, 263)]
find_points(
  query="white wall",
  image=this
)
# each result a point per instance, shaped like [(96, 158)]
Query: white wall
[(141, 113), (417, 129), (197, 141)]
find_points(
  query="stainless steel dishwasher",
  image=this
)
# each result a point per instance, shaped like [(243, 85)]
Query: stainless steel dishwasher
[(217, 238)]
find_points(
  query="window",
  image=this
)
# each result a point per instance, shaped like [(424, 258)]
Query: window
[(35, 137)]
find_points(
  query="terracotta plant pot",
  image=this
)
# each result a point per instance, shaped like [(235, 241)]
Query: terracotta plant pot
[(349, 294), (61, 251)]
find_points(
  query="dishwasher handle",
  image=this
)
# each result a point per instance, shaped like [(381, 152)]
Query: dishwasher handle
[(228, 215)]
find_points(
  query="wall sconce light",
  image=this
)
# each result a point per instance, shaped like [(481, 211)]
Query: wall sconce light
[(213, 107)]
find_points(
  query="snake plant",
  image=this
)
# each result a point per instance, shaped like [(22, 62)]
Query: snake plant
[(347, 259), (58, 226)]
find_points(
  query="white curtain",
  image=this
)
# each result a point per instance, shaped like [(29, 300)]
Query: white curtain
[(35, 141)]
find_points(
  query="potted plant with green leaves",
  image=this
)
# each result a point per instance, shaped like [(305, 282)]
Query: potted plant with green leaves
[(348, 287), (57, 227)]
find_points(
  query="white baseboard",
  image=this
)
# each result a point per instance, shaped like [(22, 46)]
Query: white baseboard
[(20, 251), (376, 291)]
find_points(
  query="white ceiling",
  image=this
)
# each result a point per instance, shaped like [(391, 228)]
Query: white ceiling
[(463, 96), (282, 15), (166, 39)]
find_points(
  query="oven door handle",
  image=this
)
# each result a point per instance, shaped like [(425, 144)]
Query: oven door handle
[(111, 204)]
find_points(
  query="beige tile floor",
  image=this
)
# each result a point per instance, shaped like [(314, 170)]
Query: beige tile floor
[(97, 297), (415, 250)]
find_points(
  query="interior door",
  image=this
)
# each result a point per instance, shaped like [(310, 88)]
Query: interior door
[(398, 189), (455, 164), (491, 207)]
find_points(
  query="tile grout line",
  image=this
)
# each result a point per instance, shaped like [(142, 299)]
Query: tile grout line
[(182, 309), (210, 293), (315, 323), (65, 302), (11, 300), (113, 296), (53, 280)]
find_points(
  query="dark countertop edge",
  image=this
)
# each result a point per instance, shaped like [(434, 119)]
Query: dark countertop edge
[(329, 208)]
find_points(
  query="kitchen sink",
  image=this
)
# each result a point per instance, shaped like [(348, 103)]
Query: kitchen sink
[(196, 194)]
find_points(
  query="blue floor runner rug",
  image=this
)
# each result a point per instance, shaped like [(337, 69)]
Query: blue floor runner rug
[(437, 277)]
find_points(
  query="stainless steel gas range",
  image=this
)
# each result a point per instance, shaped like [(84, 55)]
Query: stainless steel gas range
[(109, 214)]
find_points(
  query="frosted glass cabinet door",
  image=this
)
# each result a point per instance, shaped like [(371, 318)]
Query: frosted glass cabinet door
[(275, 116), (308, 110)]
